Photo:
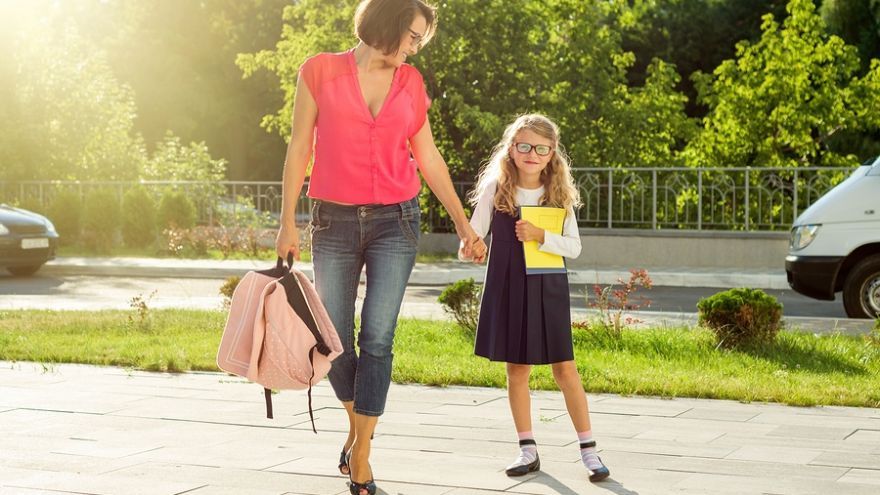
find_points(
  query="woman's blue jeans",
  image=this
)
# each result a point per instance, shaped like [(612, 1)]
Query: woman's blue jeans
[(384, 238)]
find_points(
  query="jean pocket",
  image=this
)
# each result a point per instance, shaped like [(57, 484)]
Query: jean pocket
[(318, 226), (409, 227), (319, 222)]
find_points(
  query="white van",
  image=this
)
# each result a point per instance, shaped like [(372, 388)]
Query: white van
[(835, 244)]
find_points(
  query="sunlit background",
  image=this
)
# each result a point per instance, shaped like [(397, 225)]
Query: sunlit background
[(97, 89), (125, 89)]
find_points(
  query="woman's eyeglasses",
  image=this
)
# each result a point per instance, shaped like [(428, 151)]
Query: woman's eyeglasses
[(540, 149), (417, 38)]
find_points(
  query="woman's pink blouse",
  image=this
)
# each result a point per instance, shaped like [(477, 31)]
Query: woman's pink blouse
[(360, 159)]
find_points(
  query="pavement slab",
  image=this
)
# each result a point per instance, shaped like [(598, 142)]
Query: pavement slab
[(79, 429)]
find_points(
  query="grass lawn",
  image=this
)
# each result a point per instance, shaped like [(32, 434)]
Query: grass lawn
[(799, 369)]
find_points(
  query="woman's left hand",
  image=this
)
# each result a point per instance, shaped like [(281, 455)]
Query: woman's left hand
[(526, 231)]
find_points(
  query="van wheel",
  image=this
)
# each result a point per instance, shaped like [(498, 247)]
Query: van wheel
[(861, 291)]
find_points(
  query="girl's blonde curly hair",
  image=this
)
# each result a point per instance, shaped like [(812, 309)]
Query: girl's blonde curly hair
[(559, 188)]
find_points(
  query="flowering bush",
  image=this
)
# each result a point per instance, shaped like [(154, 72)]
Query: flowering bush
[(612, 301)]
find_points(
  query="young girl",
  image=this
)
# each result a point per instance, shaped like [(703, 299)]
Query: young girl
[(525, 319)]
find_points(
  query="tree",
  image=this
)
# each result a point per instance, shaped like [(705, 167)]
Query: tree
[(857, 22), (174, 161), (180, 59), (66, 115), (780, 101), (609, 123), (491, 60), (310, 27), (692, 35)]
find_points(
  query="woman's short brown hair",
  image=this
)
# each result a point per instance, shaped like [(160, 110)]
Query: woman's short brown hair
[(382, 23)]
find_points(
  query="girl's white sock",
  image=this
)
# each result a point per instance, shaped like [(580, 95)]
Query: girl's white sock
[(528, 448), (588, 450)]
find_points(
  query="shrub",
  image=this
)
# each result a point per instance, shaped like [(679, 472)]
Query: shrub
[(65, 213), (241, 212), (176, 211), (462, 301), (611, 301), (101, 219), (198, 240), (741, 317), (138, 218), (30, 203), (228, 288), (173, 241)]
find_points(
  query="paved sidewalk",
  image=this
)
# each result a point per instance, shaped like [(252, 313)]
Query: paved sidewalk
[(95, 430), (441, 273)]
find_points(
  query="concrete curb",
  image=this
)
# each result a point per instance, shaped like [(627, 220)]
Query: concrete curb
[(441, 273)]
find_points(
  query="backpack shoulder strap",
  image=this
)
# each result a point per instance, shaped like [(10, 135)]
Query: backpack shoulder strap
[(298, 302)]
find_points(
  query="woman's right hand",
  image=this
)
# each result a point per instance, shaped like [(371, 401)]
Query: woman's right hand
[(473, 247), (287, 241)]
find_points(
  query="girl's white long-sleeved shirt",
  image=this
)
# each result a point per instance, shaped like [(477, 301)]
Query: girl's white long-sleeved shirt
[(568, 244)]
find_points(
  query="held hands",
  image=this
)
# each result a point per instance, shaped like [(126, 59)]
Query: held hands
[(526, 231), (472, 246), (287, 241), (477, 252)]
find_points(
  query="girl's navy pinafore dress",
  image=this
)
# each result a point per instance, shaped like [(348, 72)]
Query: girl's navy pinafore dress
[(524, 319)]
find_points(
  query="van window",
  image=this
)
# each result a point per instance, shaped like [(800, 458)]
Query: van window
[(875, 168)]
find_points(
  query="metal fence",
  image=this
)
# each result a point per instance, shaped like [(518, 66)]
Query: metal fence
[(741, 199)]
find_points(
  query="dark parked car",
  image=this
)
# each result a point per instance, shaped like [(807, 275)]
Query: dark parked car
[(27, 240)]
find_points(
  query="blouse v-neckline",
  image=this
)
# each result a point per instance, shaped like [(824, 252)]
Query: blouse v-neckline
[(360, 92)]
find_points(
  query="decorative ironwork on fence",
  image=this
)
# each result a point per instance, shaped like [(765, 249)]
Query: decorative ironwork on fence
[(742, 199), (701, 198)]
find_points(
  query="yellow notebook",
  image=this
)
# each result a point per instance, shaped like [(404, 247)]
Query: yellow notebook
[(550, 219)]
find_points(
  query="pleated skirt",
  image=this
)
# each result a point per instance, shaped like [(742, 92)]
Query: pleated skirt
[(524, 319)]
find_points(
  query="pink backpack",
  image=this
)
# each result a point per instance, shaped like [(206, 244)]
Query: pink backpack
[(278, 333)]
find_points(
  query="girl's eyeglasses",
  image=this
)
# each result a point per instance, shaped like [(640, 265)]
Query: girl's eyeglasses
[(540, 149)]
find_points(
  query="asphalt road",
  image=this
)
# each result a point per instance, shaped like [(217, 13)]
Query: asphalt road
[(90, 292)]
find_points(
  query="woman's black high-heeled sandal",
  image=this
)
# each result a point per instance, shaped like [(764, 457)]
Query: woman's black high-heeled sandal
[(368, 488), (343, 463), (365, 488)]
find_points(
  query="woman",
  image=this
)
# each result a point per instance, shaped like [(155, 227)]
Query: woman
[(365, 112)]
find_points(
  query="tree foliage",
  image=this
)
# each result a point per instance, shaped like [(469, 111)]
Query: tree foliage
[(175, 161), (493, 59), (310, 27), (780, 101), (857, 22), (180, 59), (172, 61), (692, 35), (65, 114), (84, 80)]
